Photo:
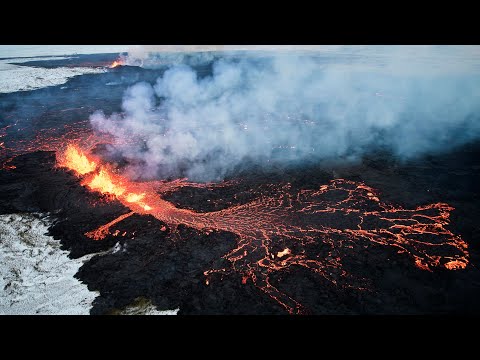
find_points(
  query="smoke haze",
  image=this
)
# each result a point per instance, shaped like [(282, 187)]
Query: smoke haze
[(272, 106)]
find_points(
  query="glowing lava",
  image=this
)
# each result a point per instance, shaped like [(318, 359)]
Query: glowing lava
[(313, 229), (104, 230), (116, 63), (76, 160), (100, 178), (284, 252), (104, 183)]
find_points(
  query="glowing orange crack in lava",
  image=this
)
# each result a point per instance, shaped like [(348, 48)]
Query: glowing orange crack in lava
[(265, 225)]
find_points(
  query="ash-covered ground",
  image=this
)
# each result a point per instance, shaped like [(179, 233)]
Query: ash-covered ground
[(157, 266)]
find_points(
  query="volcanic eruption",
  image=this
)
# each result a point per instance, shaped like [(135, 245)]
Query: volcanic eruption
[(257, 184), (293, 220), (116, 63)]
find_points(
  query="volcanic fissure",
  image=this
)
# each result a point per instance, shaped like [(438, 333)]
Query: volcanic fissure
[(285, 218)]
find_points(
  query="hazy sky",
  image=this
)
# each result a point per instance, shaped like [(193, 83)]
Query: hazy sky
[(142, 50), (44, 50)]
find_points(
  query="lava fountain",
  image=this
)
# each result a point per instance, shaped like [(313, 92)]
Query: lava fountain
[(282, 229), (115, 64)]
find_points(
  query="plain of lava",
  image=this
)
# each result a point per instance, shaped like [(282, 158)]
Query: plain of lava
[(376, 236)]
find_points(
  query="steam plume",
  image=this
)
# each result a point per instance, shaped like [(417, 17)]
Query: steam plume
[(336, 103)]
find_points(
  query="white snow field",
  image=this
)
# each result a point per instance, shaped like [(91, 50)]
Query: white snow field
[(23, 78), (36, 276)]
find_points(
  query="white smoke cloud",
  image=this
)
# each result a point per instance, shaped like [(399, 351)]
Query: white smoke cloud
[(154, 56), (334, 103), (143, 51)]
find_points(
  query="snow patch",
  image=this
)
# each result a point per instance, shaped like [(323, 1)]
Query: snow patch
[(36, 276), (117, 248), (24, 78), (142, 306)]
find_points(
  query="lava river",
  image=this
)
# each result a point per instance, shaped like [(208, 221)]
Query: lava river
[(279, 228)]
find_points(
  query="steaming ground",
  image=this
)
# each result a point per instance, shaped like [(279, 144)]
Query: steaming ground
[(37, 277), (281, 107), (23, 78)]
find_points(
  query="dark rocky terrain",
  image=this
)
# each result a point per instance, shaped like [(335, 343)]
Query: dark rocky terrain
[(168, 268)]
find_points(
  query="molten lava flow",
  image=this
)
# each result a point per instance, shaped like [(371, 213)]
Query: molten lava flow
[(103, 180), (75, 159), (104, 183), (284, 252), (313, 229), (456, 264), (104, 230), (131, 198), (116, 63)]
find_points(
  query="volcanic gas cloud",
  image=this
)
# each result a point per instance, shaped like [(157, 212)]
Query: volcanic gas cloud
[(205, 122)]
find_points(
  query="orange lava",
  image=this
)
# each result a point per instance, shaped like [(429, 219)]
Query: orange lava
[(104, 230), (104, 183), (280, 224), (100, 178), (116, 63), (73, 158), (283, 252), (456, 264)]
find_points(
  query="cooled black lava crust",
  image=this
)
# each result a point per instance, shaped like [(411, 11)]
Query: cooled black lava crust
[(168, 269)]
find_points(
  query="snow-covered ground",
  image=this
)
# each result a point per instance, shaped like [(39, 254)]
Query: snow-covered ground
[(24, 78), (36, 276), (144, 307)]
